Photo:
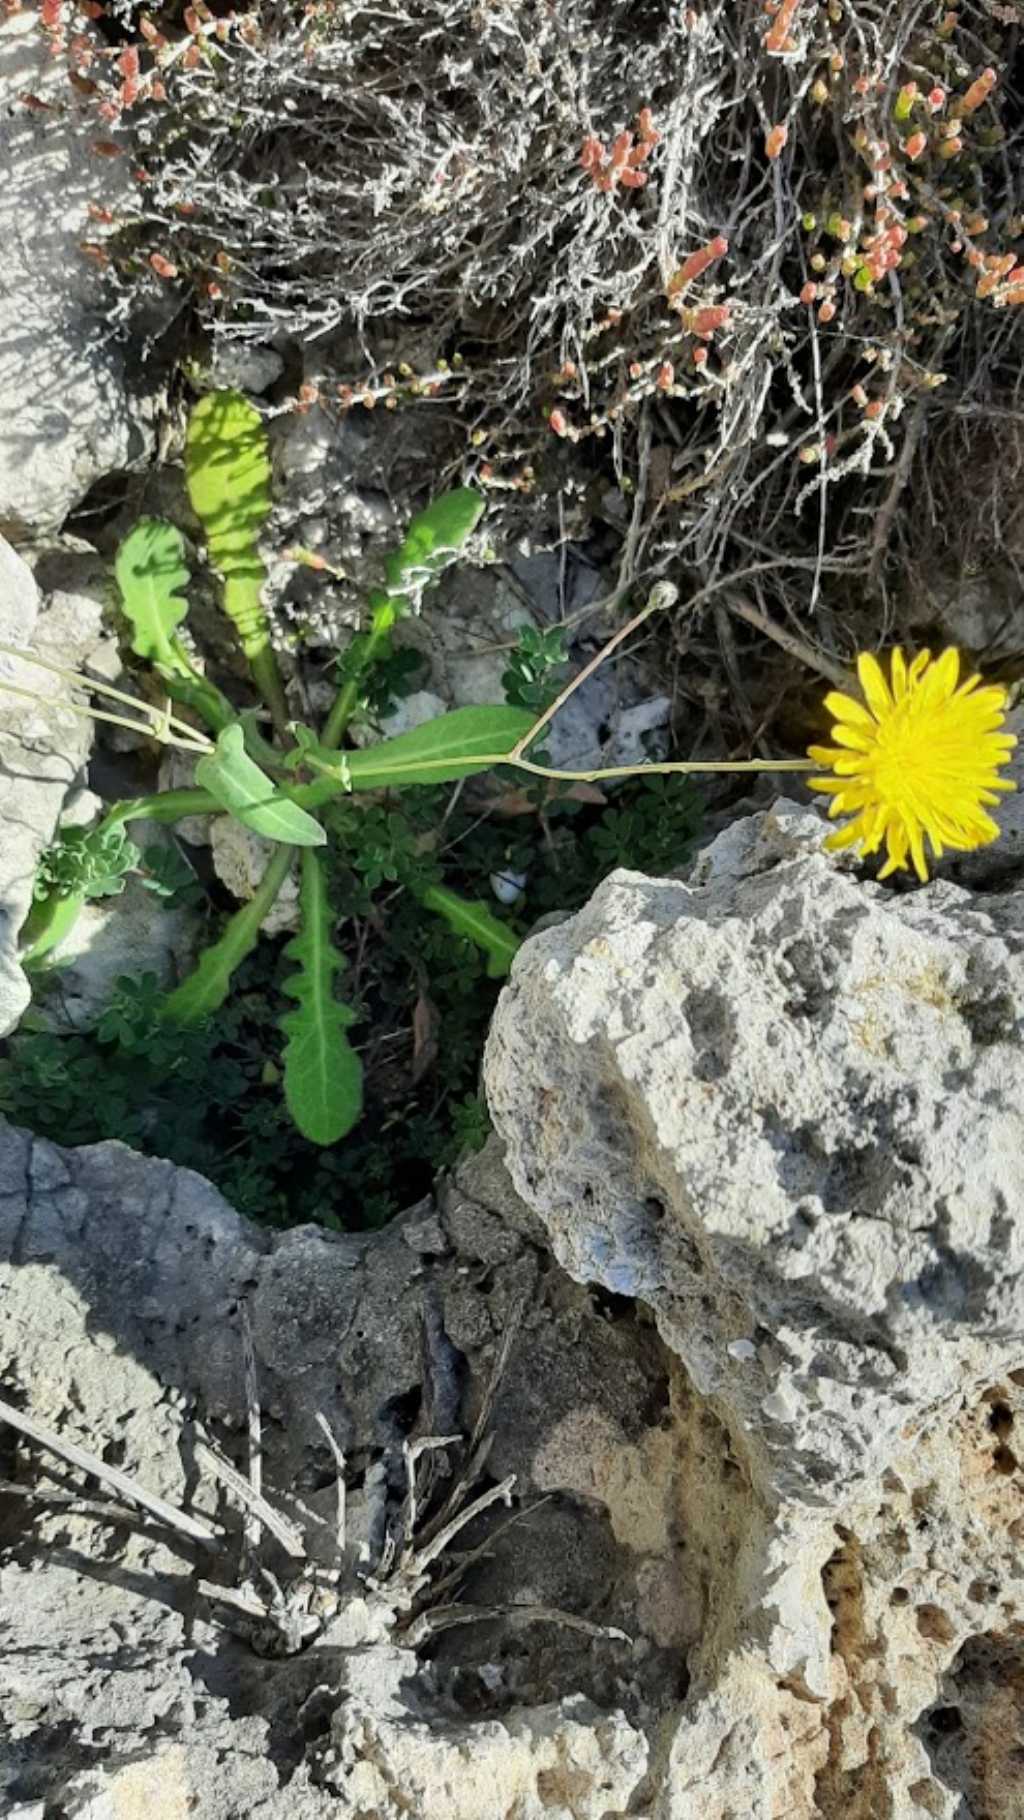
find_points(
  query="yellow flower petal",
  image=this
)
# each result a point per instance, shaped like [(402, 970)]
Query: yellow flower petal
[(947, 671), (915, 765), (874, 684), (844, 708), (856, 737)]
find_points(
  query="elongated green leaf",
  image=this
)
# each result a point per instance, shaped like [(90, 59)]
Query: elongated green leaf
[(248, 794), (227, 470), (207, 986), (152, 574), (323, 1076), (434, 537), (452, 746), (473, 919)]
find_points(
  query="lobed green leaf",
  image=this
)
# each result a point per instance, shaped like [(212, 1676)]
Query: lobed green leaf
[(323, 1076), (474, 920), (152, 574), (435, 536)]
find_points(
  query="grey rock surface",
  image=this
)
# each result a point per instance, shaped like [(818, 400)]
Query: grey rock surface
[(66, 417), (119, 1293), (784, 1661), (785, 1109), (42, 750), (240, 859)]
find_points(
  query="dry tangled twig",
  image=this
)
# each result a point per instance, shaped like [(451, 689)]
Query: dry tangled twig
[(740, 267)]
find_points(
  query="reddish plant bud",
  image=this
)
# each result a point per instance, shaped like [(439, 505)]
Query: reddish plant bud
[(621, 147), (936, 98), (128, 62), (666, 376), (697, 263), (778, 41), (809, 292), (826, 311), (164, 268), (978, 92), (700, 357), (633, 180), (915, 145), (775, 140), (705, 322), (557, 422), (105, 148)]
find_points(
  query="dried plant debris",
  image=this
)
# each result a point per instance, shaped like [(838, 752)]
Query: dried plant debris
[(405, 1595), (715, 273)]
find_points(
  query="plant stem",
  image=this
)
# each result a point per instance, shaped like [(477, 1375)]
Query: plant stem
[(347, 699), (49, 921), (90, 683), (206, 987), (171, 805), (163, 806), (662, 595), (242, 583), (314, 795), (158, 728)]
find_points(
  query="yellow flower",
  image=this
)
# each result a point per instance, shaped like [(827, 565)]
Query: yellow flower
[(922, 758)]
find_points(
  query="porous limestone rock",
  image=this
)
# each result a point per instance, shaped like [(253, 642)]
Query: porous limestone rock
[(787, 1663), (66, 416), (710, 1090), (785, 1108), (240, 859), (42, 750), (124, 936), (119, 1289)]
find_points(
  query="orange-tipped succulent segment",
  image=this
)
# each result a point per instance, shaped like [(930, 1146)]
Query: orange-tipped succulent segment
[(918, 758)]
